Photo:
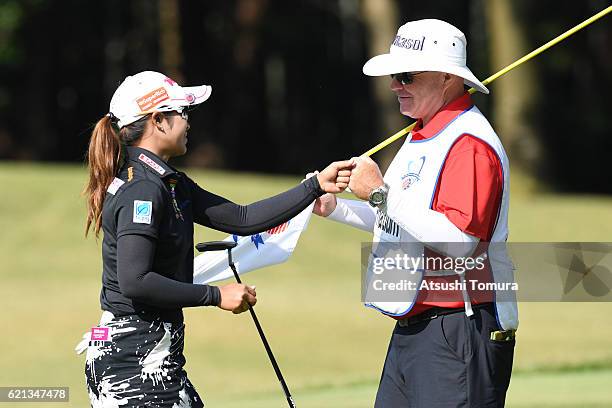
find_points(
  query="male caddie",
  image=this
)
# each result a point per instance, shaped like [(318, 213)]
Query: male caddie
[(448, 183)]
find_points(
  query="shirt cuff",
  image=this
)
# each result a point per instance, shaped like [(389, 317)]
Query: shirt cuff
[(313, 185), (358, 214), (338, 213), (212, 296)]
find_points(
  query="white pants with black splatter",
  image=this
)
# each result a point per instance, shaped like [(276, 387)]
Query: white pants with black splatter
[(141, 365)]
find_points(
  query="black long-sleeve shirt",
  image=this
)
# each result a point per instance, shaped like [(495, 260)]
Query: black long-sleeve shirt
[(147, 220)]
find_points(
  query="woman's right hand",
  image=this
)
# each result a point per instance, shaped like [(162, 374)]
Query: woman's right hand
[(237, 297), (335, 177)]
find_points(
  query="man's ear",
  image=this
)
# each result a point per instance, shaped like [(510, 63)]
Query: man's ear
[(450, 80)]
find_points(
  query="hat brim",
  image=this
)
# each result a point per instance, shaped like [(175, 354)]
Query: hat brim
[(387, 64), (194, 95)]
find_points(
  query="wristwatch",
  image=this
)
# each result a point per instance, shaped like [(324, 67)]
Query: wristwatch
[(378, 196)]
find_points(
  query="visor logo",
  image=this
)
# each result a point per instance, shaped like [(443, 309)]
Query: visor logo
[(409, 43), (152, 99)]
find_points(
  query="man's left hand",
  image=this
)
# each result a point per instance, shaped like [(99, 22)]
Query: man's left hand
[(365, 177)]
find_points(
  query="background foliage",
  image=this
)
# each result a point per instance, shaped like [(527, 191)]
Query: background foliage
[(289, 95)]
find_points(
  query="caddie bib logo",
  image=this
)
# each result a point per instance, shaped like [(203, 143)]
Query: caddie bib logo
[(414, 172)]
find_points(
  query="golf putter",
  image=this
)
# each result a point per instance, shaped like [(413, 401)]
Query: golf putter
[(220, 246)]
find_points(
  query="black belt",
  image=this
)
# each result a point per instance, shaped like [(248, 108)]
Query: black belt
[(434, 313)]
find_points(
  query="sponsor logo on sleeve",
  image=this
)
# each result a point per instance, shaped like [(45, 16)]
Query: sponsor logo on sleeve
[(151, 163), (143, 212), (152, 99), (114, 186)]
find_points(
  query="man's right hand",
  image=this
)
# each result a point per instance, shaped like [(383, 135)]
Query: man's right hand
[(325, 205), (237, 297)]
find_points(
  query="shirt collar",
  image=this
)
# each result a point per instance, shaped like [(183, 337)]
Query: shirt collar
[(441, 119), (150, 160)]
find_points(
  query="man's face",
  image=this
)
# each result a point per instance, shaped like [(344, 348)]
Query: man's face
[(422, 98)]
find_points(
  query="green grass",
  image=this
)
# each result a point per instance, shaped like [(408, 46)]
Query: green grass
[(588, 389), (330, 348)]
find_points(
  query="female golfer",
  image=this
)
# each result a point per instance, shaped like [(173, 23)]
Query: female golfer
[(146, 209)]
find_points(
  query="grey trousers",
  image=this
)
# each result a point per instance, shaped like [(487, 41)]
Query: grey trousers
[(449, 361)]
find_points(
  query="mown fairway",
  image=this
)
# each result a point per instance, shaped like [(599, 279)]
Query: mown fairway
[(330, 348)]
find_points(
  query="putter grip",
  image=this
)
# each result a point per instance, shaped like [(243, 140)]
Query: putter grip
[(215, 246)]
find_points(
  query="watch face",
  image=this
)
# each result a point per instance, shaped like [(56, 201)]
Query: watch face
[(377, 197)]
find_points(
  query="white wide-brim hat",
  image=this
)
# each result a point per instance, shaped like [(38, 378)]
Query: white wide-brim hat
[(151, 91), (426, 45)]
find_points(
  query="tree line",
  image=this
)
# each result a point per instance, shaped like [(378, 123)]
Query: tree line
[(288, 92)]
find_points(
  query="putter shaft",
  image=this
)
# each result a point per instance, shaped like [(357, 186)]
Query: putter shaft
[(277, 370)]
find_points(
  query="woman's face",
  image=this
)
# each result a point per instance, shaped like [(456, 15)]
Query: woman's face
[(172, 134)]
